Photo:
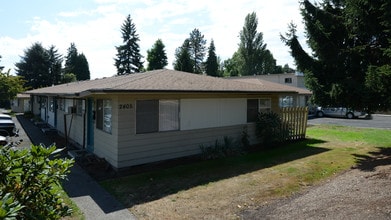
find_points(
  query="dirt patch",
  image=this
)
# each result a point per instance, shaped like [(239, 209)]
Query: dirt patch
[(363, 192)]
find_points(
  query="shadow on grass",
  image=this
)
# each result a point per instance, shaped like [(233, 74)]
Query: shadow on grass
[(152, 185), (374, 159)]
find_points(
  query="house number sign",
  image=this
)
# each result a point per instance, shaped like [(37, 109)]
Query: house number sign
[(125, 106)]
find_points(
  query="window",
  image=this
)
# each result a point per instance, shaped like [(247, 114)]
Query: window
[(51, 105), (61, 104), (255, 106), (168, 115), (157, 115), (286, 101), (252, 110), (80, 107), (103, 115), (43, 102), (288, 80)]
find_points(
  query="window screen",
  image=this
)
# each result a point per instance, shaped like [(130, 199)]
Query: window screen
[(168, 115)]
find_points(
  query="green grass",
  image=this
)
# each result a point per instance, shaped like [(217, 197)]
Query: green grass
[(327, 151)]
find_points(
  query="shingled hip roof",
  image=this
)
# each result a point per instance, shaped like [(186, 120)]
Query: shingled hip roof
[(160, 81)]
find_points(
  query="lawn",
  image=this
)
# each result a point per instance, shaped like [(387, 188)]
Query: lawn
[(222, 189)]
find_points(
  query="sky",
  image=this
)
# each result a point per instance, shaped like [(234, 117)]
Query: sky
[(94, 27)]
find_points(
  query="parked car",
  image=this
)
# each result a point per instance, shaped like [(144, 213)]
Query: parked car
[(7, 126), (340, 112)]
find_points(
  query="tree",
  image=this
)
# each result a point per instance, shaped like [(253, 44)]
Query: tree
[(287, 69), (77, 64), (128, 58), (10, 86), (211, 64), (68, 77), (30, 181), (350, 45), (34, 67), (156, 57), (232, 65), (251, 47), (183, 61), (55, 65), (197, 50)]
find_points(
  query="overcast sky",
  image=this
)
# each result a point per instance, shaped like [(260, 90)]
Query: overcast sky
[(94, 26)]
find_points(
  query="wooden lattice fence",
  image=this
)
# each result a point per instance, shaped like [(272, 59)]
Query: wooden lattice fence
[(294, 122)]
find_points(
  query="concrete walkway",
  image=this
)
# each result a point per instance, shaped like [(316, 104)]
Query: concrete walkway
[(94, 201)]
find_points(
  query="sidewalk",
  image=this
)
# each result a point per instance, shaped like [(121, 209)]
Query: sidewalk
[(94, 201)]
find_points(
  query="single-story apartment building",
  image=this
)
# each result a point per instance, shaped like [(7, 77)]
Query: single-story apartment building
[(154, 116), (21, 103)]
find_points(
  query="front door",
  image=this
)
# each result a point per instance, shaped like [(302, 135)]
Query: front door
[(43, 104), (51, 113)]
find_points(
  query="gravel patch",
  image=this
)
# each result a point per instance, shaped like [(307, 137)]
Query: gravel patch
[(356, 194)]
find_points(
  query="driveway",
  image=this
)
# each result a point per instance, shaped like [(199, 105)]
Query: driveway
[(377, 121)]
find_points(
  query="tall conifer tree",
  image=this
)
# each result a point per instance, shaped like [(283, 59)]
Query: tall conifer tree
[(128, 58), (211, 64), (350, 60)]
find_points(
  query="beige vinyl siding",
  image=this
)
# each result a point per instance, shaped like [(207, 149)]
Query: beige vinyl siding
[(146, 148), (124, 148), (75, 125), (106, 144)]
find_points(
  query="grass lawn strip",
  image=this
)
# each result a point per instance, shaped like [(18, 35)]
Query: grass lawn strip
[(222, 188)]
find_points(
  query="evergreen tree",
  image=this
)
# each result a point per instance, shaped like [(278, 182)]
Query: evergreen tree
[(128, 58), (55, 65), (350, 57), (82, 70), (211, 64), (77, 64), (197, 50), (183, 61), (156, 57), (34, 67)]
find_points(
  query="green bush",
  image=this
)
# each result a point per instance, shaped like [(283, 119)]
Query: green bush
[(271, 129), (220, 149), (30, 183)]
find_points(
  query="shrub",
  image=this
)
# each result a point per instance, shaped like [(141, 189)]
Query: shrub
[(244, 139), (30, 183), (271, 129), (220, 149)]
